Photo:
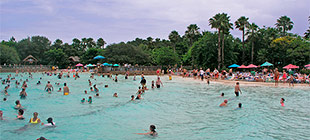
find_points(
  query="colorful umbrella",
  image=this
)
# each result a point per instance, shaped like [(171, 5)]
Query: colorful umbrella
[(79, 65), (99, 57), (105, 64), (90, 65), (290, 66), (307, 65), (233, 66), (115, 65), (251, 66), (266, 64), (242, 67)]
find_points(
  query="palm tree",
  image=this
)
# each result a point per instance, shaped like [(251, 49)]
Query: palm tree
[(284, 24), (225, 27), (307, 33), (252, 35), (215, 22), (241, 24), (101, 43), (192, 33), (174, 37)]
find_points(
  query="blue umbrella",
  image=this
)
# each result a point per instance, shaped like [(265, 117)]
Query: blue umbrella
[(105, 64), (116, 65), (99, 57), (89, 65), (233, 66), (266, 64), (110, 64)]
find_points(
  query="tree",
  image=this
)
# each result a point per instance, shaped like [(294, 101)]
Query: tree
[(174, 38), (252, 35), (307, 33), (8, 55), (225, 27), (241, 24), (57, 44), (100, 43), (215, 22), (192, 33), (56, 57), (284, 24), (165, 56)]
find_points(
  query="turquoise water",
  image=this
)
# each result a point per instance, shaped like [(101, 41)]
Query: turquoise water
[(182, 109)]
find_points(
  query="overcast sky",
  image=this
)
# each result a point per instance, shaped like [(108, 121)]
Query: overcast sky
[(125, 20)]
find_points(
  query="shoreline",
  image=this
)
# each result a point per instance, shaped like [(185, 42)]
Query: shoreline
[(246, 83)]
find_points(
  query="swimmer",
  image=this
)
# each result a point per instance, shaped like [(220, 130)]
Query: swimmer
[(96, 89), (4, 99), (35, 119), (90, 100), (50, 123), (41, 138), (134, 77), (138, 97), (20, 114), (224, 103), (240, 105), (85, 91), (115, 95), (66, 89), (59, 90), (97, 95), (222, 95), (39, 83), (132, 97), (151, 133), (106, 86), (158, 83), (83, 100), (237, 89), (49, 87), (282, 101), (140, 91), (116, 77), (6, 93), (23, 94), (143, 81)]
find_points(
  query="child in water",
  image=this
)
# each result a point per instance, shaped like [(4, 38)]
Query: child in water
[(115, 95), (90, 100), (83, 100), (282, 101)]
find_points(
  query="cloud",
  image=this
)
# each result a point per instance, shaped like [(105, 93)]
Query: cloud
[(124, 20)]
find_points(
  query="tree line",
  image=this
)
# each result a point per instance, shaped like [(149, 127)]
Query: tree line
[(195, 48)]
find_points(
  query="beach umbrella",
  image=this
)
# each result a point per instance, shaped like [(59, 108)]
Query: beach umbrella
[(290, 66), (266, 64), (307, 66), (105, 64), (233, 66), (110, 64), (242, 67), (99, 57), (115, 65), (90, 65), (251, 66), (79, 65)]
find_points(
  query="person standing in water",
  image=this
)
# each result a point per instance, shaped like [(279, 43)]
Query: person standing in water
[(276, 77), (158, 83), (35, 119), (66, 89), (49, 87), (237, 89)]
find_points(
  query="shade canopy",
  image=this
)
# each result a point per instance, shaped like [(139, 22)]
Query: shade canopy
[(307, 65), (291, 66), (105, 64), (266, 64), (115, 65), (99, 57), (79, 65), (242, 67), (90, 65), (233, 66), (251, 66)]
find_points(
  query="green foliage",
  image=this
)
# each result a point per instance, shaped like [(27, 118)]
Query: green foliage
[(284, 24), (56, 57), (8, 55), (125, 53), (165, 56), (88, 56)]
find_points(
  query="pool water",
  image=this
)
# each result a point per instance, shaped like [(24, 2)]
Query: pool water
[(182, 109)]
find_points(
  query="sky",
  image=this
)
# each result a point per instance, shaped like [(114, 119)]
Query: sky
[(124, 20)]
